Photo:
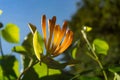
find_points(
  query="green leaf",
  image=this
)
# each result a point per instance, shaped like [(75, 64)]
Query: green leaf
[(26, 49), (11, 33), (100, 46), (37, 44), (114, 69), (30, 75), (9, 66), (116, 77), (16, 68), (42, 70), (1, 73), (74, 51), (88, 78), (28, 45), (19, 49), (57, 77), (51, 63)]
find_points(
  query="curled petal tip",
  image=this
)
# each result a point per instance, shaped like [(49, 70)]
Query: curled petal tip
[(54, 18), (44, 16), (71, 33), (65, 23)]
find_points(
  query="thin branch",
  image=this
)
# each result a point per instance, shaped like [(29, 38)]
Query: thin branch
[(26, 69), (1, 51), (95, 56), (75, 77), (91, 56)]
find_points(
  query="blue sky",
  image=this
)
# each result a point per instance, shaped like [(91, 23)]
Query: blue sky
[(22, 12)]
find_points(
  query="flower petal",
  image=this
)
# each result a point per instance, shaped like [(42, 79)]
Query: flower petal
[(60, 34), (65, 44), (51, 27), (57, 31), (43, 24), (68, 43)]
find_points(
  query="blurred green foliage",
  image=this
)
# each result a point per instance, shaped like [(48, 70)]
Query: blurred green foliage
[(104, 18), (11, 33)]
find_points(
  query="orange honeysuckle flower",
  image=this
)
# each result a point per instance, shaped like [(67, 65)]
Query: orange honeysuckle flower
[(59, 39)]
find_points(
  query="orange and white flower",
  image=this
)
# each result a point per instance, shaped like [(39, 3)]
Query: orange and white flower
[(58, 39)]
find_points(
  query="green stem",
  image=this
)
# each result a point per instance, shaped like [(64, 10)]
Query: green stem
[(26, 69), (95, 56), (1, 51), (75, 77), (47, 71), (104, 73), (91, 56)]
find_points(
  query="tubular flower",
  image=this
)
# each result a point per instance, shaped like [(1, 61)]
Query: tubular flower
[(58, 39)]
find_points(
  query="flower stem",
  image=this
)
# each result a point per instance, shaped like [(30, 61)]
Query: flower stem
[(95, 57)]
